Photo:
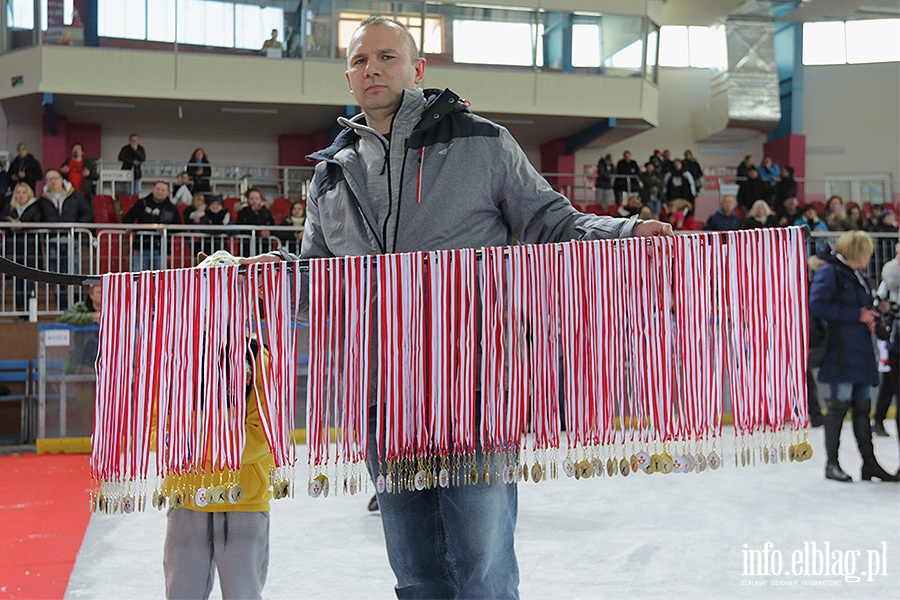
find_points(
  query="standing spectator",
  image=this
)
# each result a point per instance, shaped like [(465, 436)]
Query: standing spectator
[(62, 203), (760, 216), (667, 165), (24, 168), (80, 171), (255, 213), (770, 173), (680, 183), (272, 42), (606, 197), (725, 219), (888, 303), (198, 170), (132, 156), (753, 189), (743, 174), (652, 187), (789, 212), (693, 167), (626, 176), (155, 208), (840, 296), (853, 221), (656, 159), (22, 246), (785, 188), (184, 190)]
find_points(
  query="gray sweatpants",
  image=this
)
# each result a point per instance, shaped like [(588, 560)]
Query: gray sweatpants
[(198, 542)]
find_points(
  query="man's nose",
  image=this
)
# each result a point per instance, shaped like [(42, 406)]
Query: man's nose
[(372, 68)]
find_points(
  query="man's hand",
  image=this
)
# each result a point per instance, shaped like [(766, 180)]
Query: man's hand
[(652, 228), (867, 316), (260, 258), (97, 317)]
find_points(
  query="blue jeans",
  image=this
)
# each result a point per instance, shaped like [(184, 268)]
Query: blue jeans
[(454, 542), (146, 259), (133, 187)]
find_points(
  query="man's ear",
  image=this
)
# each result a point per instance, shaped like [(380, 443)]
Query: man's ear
[(420, 70)]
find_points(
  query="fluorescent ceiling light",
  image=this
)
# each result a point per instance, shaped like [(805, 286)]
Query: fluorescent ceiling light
[(105, 104), (251, 111)]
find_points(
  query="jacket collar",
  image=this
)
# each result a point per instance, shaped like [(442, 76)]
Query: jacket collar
[(438, 104)]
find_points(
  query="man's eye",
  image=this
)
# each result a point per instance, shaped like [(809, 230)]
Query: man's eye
[(359, 61), (387, 57)]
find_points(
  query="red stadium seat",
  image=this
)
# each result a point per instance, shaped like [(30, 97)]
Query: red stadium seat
[(233, 205), (180, 254), (281, 209), (111, 259), (105, 209), (820, 207), (126, 201), (594, 209)]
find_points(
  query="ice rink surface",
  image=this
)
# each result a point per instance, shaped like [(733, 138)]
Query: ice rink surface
[(641, 536)]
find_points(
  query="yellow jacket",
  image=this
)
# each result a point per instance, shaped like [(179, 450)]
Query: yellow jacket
[(256, 464)]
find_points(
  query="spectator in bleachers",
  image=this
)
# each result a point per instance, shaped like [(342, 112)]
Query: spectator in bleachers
[(80, 171), (770, 173), (626, 176), (656, 159), (196, 211), (652, 186), (255, 213), (835, 219), (24, 168), (272, 42), (873, 223), (680, 215), (785, 188), (761, 215), (215, 214), (22, 246), (853, 221), (810, 218), (5, 191), (184, 190), (82, 314), (887, 223), (132, 156), (751, 190), (199, 171), (788, 213), (693, 167), (631, 207), (667, 165), (725, 219), (154, 208), (297, 219), (743, 173), (833, 204), (680, 183), (647, 214), (605, 195)]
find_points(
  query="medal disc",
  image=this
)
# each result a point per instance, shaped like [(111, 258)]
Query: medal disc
[(200, 497), (444, 478), (536, 473), (235, 493), (420, 480), (569, 467)]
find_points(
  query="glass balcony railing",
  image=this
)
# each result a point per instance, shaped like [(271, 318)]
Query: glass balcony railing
[(447, 34)]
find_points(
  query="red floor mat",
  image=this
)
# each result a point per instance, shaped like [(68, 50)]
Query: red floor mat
[(43, 517)]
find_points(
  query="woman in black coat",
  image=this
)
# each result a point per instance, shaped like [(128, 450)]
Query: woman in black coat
[(22, 245), (840, 296)]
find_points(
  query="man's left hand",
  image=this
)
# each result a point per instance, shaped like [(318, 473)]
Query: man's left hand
[(651, 228)]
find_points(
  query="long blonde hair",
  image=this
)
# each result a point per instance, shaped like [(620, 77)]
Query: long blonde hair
[(27, 189)]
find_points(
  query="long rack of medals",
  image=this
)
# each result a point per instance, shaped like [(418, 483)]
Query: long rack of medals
[(479, 360), (178, 349)]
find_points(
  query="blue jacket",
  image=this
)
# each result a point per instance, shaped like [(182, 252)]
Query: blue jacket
[(835, 297), (722, 222)]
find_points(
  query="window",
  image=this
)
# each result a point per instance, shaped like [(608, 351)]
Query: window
[(859, 188), (494, 43), (585, 45), (698, 47), (853, 42)]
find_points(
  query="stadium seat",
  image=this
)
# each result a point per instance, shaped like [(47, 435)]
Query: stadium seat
[(180, 254), (820, 207), (126, 201), (111, 258), (105, 209), (281, 209), (233, 205)]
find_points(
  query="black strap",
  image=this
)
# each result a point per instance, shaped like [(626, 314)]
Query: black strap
[(14, 269)]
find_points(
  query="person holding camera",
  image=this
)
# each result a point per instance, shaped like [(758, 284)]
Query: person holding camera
[(889, 304), (841, 297)]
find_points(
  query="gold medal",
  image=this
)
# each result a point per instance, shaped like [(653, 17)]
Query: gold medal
[(665, 464), (486, 476), (624, 467), (650, 469), (585, 469), (177, 499), (701, 462), (536, 473), (792, 453), (219, 495), (473, 476), (635, 464), (804, 452), (235, 493), (610, 467)]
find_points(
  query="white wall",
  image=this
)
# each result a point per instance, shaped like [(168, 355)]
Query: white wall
[(222, 147)]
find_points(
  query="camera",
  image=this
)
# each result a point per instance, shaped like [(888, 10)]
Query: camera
[(886, 321)]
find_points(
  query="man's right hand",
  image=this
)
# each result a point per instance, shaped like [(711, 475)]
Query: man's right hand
[(867, 316)]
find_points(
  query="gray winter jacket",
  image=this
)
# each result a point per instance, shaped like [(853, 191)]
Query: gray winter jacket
[(456, 181)]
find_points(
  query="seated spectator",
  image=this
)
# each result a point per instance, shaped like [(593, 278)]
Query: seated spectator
[(631, 207), (789, 212), (80, 171), (647, 214), (297, 219), (198, 170), (155, 208), (887, 223), (874, 220), (834, 203), (835, 219), (216, 214), (752, 190), (785, 188), (810, 218), (854, 220), (652, 186), (680, 215), (82, 314), (255, 213), (197, 210), (760, 216), (725, 219), (184, 190), (22, 246), (680, 183)]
